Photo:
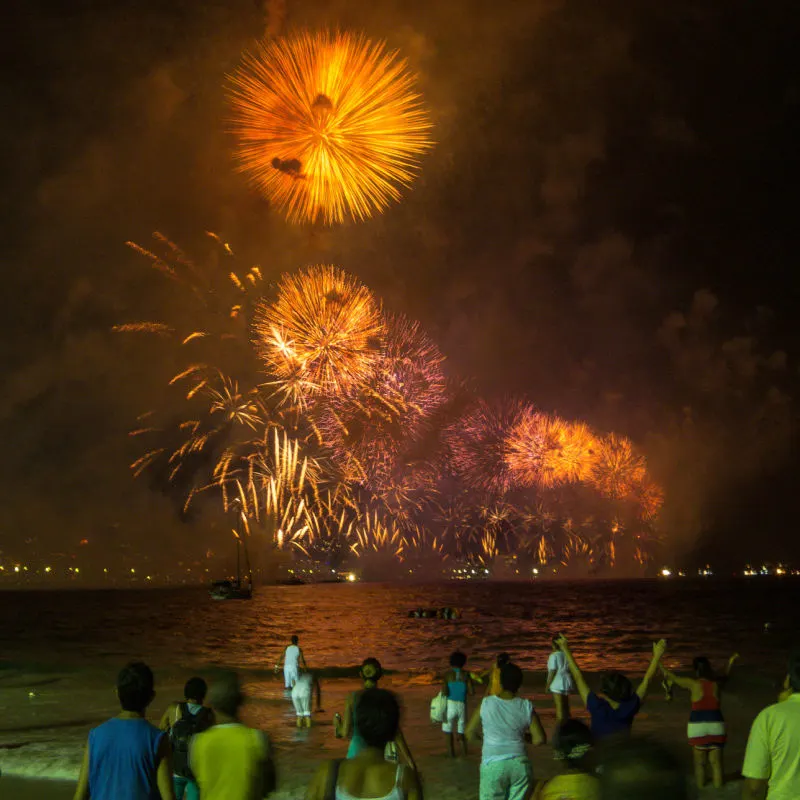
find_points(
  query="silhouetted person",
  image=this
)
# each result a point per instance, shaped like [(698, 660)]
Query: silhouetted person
[(641, 769)]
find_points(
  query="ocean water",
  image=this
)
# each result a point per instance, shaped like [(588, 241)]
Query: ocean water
[(60, 651), (609, 623)]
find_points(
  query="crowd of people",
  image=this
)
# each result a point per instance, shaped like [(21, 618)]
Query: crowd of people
[(202, 751)]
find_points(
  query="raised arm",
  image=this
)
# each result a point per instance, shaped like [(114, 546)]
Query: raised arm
[(551, 673), (575, 671), (82, 789), (659, 648), (676, 680), (470, 684), (473, 725)]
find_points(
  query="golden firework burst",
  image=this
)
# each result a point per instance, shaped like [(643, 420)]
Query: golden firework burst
[(322, 335), (328, 124)]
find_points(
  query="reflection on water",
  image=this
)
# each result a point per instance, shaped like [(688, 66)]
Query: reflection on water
[(609, 623)]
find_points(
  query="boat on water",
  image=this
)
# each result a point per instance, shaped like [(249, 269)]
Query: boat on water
[(235, 589)]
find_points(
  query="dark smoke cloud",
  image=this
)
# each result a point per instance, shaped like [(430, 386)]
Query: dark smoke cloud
[(593, 170)]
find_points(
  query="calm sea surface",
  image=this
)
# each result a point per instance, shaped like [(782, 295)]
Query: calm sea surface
[(609, 623)]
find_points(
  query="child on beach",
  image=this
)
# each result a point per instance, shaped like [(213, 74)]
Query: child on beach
[(572, 746), (559, 681), (127, 758), (367, 775), (305, 687), (455, 687), (706, 730), (506, 720), (614, 713)]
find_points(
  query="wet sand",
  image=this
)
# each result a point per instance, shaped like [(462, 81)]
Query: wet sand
[(43, 735)]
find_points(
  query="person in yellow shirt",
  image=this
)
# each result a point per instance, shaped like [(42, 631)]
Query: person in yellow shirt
[(493, 684), (772, 759), (231, 761), (572, 746)]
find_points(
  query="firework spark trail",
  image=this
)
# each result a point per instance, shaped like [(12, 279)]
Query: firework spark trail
[(479, 444), (374, 534), (329, 125), (545, 451)]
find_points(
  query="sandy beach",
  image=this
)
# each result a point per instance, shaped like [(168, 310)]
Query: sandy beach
[(42, 734)]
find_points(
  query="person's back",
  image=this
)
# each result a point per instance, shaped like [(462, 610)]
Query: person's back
[(505, 723), (226, 761), (355, 781), (773, 749), (231, 761), (571, 786), (613, 715), (123, 760), (127, 758)]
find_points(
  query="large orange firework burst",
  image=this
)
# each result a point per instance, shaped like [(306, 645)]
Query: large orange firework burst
[(546, 451), (322, 335), (619, 468), (328, 125)]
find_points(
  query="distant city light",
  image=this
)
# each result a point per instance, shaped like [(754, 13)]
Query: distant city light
[(535, 570), (132, 571), (666, 573), (351, 577), (16, 569), (48, 569)]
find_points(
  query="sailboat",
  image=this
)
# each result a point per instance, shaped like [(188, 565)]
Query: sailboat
[(236, 589)]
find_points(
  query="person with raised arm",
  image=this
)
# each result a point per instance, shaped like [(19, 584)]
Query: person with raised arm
[(614, 712), (706, 731)]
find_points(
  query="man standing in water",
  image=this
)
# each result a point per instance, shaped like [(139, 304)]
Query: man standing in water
[(293, 659)]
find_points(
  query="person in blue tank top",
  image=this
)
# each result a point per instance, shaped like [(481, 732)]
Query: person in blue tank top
[(127, 758), (456, 685)]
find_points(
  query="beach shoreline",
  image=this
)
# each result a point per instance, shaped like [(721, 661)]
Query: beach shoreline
[(41, 745)]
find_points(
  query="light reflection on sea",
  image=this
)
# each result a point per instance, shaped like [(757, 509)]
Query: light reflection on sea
[(610, 623)]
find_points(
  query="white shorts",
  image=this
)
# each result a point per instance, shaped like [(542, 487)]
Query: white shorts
[(290, 676), (456, 713), (302, 703)]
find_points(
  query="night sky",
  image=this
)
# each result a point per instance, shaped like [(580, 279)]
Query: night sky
[(607, 224)]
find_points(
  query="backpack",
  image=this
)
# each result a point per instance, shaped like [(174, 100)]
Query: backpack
[(180, 734)]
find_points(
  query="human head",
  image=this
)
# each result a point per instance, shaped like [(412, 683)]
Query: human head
[(702, 668), (377, 717), (371, 670), (617, 687), (510, 678), (572, 743), (226, 694), (641, 769), (295, 640), (458, 659), (135, 687), (195, 689), (503, 659), (793, 676)]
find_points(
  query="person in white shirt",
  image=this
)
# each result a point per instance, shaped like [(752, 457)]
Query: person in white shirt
[(559, 681), (293, 659), (507, 720), (772, 759)]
